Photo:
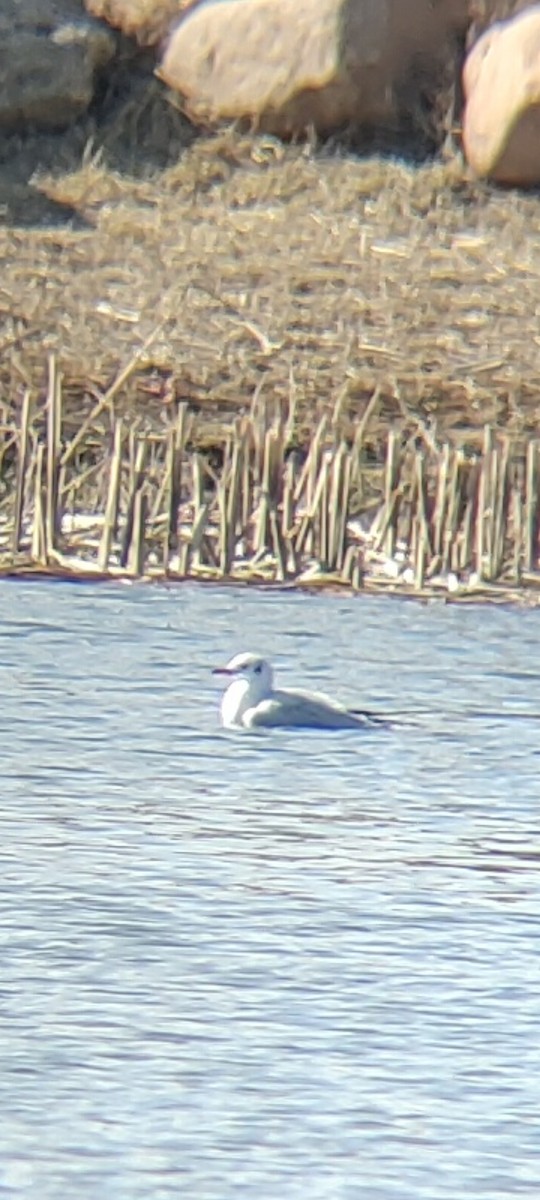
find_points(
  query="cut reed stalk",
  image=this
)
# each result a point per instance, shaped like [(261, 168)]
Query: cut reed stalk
[(308, 476), (198, 530), (39, 543), (22, 463), (246, 486), (422, 543), (348, 564), (501, 496), (531, 507), (421, 499), (466, 545), (441, 500), (420, 553), (234, 491), (452, 511), (111, 510), (278, 546), (484, 529), (516, 510), (262, 537), (343, 517), (191, 551), (388, 515), (138, 455), (287, 508), (54, 428), (390, 491), (323, 516), (338, 507), (175, 451), (136, 558)]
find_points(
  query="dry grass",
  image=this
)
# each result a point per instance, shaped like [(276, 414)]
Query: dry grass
[(315, 275)]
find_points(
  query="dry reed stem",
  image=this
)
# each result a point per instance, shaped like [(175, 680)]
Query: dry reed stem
[(22, 463), (137, 465), (531, 505), (263, 528), (54, 432), (136, 555), (176, 440), (452, 511), (198, 529), (516, 509), (390, 490), (441, 501), (322, 549), (278, 546), (466, 545), (111, 510), (500, 505), (39, 542)]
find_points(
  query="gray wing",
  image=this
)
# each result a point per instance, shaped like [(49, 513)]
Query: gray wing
[(300, 710)]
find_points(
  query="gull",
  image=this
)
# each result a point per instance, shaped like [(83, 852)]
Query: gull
[(251, 702)]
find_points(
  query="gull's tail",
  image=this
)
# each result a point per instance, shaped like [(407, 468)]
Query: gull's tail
[(376, 721)]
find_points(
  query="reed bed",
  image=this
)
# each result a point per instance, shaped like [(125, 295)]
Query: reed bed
[(116, 500)]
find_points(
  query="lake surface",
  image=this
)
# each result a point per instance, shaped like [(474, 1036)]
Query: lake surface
[(277, 965)]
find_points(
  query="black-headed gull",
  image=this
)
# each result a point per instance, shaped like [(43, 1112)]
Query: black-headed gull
[(251, 701)]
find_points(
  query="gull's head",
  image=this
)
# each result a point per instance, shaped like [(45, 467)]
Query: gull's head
[(255, 672)]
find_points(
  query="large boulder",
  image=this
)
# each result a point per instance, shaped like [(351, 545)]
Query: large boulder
[(501, 82), (286, 65), (36, 15), (148, 21), (485, 12), (49, 58)]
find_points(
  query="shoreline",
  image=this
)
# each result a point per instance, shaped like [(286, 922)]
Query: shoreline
[(506, 596)]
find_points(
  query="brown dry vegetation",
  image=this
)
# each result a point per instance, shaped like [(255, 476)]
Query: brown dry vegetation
[(317, 274)]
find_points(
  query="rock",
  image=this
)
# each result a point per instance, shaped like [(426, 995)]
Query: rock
[(286, 65), (148, 21), (501, 82), (96, 43), (48, 63), (36, 17), (486, 12)]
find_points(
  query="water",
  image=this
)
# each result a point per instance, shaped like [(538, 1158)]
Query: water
[(283, 964)]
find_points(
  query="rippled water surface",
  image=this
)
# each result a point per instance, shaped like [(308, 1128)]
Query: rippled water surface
[(278, 965)]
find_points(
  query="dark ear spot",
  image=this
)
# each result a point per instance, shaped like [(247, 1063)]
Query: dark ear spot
[(258, 669)]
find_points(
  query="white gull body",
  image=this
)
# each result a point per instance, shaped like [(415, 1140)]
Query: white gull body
[(251, 702)]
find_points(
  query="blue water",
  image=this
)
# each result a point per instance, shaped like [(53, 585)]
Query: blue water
[(271, 965)]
